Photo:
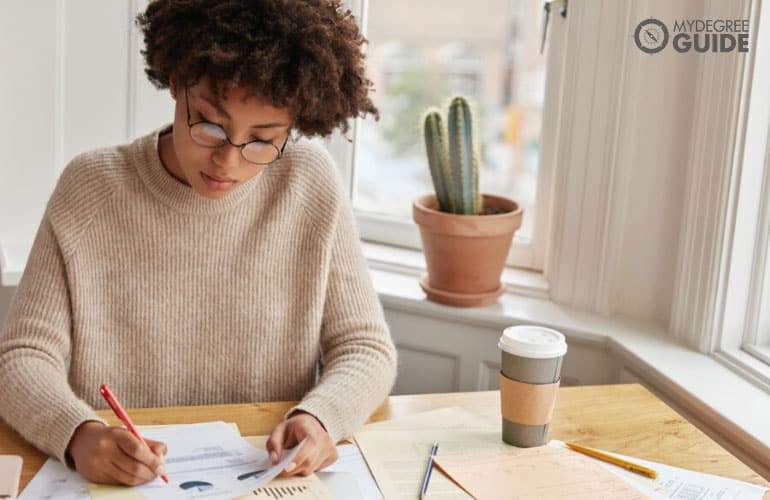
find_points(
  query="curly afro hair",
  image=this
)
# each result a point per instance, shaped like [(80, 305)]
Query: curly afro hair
[(305, 55)]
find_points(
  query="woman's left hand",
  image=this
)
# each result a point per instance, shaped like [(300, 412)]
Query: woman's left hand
[(318, 452)]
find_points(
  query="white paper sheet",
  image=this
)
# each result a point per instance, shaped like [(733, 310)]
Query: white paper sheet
[(350, 466), (398, 450), (681, 484), (347, 478), (55, 480)]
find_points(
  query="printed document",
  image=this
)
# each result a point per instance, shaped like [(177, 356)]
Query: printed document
[(681, 484), (208, 460), (346, 479)]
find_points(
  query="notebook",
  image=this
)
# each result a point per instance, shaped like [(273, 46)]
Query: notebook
[(10, 473)]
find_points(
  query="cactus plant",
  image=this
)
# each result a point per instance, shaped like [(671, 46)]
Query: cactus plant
[(464, 254), (453, 158)]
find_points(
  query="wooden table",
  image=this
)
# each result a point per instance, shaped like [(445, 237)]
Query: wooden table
[(626, 419)]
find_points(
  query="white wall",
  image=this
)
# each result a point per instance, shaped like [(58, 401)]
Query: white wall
[(657, 120), (622, 161), (28, 129), (73, 82)]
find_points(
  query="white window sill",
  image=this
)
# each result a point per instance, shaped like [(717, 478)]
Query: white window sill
[(412, 263), (727, 406)]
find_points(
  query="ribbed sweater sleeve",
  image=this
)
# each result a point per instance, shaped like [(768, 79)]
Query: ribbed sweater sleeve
[(35, 398), (357, 350)]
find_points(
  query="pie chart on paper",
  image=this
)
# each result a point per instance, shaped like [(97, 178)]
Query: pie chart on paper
[(199, 486)]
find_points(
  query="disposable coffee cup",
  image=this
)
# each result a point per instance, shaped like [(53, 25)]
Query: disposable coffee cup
[(529, 380)]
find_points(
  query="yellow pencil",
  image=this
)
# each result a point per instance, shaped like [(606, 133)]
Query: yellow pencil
[(639, 469)]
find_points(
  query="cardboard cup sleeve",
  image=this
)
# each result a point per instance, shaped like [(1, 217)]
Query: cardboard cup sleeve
[(529, 404)]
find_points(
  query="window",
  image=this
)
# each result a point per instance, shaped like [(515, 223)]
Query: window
[(759, 343), (756, 335), (745, 336), (490, 54)]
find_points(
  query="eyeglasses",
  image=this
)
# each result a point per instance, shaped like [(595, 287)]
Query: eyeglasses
[(211, 135)]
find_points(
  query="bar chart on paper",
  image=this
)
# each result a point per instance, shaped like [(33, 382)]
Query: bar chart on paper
[(283, 492), (293, 488), (294, 492)]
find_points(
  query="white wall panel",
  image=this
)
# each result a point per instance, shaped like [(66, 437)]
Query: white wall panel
[(95, 79), (151, 108), (28, 33), (489, 376), (421, 371)]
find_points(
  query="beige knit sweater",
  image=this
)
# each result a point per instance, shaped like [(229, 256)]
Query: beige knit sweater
[(172, 299)]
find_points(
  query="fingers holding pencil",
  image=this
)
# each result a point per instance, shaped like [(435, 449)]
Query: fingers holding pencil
[(137, 456), (106, 454), (136, 449)]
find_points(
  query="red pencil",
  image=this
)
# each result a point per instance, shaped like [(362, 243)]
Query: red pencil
[(123, 416)]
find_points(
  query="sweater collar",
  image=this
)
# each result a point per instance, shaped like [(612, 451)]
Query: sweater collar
[(175, 194)]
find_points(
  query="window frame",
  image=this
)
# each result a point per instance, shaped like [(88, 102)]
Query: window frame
[(398, 232), (743, 336), (761, 339), (756, 337)]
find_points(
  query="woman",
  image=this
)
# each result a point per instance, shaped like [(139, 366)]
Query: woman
[(212, 261)]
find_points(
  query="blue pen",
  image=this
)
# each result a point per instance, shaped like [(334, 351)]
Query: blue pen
[(425, 481)]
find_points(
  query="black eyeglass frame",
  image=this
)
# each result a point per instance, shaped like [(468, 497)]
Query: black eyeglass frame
[(227, 139)]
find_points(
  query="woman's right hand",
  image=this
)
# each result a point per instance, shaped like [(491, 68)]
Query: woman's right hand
[(105, 454)]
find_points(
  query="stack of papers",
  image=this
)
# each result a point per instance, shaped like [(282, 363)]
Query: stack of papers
[(674, 482), (397, 450), (208, 460), (472, 453)]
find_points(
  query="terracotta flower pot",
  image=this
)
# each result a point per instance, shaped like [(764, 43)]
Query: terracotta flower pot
[(465, 254)]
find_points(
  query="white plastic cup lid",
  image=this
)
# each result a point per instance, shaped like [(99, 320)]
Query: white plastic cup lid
[(530, 341)]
